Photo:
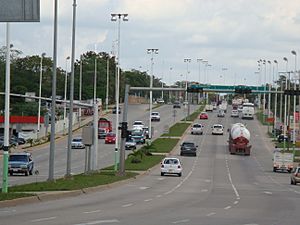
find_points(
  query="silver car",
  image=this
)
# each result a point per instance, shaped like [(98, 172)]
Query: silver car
[(295, 177)]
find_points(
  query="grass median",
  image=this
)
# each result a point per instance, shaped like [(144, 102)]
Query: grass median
[(194, 115), (162, 145), (177, 130)]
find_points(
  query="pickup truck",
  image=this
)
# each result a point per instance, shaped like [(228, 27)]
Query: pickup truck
[(20, 163), (282, 161)]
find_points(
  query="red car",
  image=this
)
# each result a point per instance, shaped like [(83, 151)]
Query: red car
[(203, 116), (110, 138)]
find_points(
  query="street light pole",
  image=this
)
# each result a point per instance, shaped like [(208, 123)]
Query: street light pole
[(285, 104), (107, 83), (114, 18), (199, 78), (80, 89), (40, 93), (187, 61), (275, 113), (294, 111), (265, 87), (269, 94), (151, 51), (65, 95)]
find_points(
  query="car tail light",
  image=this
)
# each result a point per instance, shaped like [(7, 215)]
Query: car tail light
[(162, 166)]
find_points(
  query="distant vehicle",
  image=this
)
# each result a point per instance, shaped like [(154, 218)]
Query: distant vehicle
[(188, 148), (282, 137), (105, 124), (239, 139), (185, 103), (114, 110), (155, 116), (217, 129), (176, 105), (283, 161), (138, 136), (209, 108), (223, 106), (197, 128), (240, 108), (101, 133), (234, 113), (221, 113), (171, 165), (295, 176), (146, 132), (214, 104), (18, 140), (203, 116), (130, 144), (248, 111), (77, 143), (20, 163), (160, 101), (110, 138), (138, 124)]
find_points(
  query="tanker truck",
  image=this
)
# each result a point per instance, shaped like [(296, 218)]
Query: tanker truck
[(239, 137)]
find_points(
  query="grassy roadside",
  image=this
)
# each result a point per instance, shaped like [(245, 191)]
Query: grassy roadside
[(107, 175), (194, 115)]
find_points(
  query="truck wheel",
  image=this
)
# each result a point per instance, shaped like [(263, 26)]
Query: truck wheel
[(11, 173), (162, 174), (274, 169), (179, 174), (26, 173), (31, 172)]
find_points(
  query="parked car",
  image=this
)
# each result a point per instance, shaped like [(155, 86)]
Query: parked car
[(171, 165), (114, 110), (197, 128), (295, 176), (203, 116), (110, 138), (130, 144), (20, 163), (217, 129), (176, 105), (77, 143), (155, 116), (282, 137), (160, 101), (138, 124), (188, 148)]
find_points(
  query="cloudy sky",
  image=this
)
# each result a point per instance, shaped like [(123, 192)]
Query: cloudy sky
[(231, 34)]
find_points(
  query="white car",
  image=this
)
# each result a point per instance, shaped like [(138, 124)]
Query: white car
[(217, 129), (234, 113), (171, 165), (197, 128), (155, 116), (138, 125), (77, 143)]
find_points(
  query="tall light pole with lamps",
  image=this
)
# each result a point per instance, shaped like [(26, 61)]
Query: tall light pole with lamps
[(294, 112), (40, 93), (151, 51), (276, 99), (107, 83), (285, 104), (187, 61), (199, 78), (118, 17), (269, 94), (65, 95)]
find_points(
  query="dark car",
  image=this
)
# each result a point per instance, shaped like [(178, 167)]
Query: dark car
[(282, 137), (101, 133), (114, 110), (188, 148), (176, 105), (20, 163)]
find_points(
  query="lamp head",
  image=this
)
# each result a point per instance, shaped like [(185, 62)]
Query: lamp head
[(294, 52), (285, 59), (43, 54)]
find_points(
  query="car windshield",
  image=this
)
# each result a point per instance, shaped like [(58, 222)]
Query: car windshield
[(110, 135), (77, 140), (171, 161), (218, 126), (22, 158), (155, 114), (197, 125), (188, 144), (138, 123), (137, 133)]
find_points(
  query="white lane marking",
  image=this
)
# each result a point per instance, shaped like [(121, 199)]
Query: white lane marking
[(211, 214), (204, 190), (207, 181), (230, 179), (127, 205), (95, 211), (8, 211), (236, 202), (181, 221), (161, 178), (158, 196), (43, 219), (268, 192), (297, 192), (148, 200), (228, 207), (144, 188), (99, 222)]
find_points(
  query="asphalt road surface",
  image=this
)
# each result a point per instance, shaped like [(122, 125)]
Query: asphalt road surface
[(216, 189), (106, 153)]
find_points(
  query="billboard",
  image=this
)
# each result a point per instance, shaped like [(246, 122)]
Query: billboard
[(20, 11)]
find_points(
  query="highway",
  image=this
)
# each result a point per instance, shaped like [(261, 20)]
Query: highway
[(216, 189), (105, 151)]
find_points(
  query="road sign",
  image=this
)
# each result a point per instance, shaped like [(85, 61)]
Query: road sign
[(20, 11)]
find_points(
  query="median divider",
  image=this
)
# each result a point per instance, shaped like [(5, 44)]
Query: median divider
[(138, 163)]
